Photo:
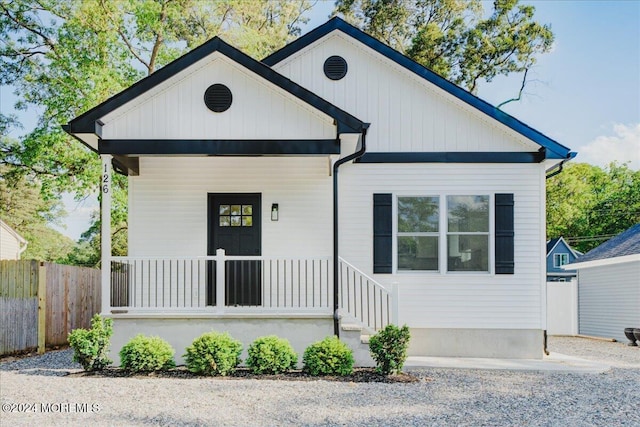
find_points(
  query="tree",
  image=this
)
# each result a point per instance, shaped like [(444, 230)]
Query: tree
[(66, 57), (24, 209), (587, 204), (453, 39)]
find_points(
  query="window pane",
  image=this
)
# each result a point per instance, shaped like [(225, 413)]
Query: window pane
[(235, 221), (224, 221), (417, 253), (224, 209), (468, 213), (247, 209), (247, 221), (417, 214), (235, 210), (468, 253)]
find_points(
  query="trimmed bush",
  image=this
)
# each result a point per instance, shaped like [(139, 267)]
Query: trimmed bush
[(147, 354), (328, 357), (90, 347), (389, 348), (271, 355), (213, 353)]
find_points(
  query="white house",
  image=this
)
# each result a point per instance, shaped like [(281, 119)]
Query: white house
[(336, 181), (609, 286), (12, 245)]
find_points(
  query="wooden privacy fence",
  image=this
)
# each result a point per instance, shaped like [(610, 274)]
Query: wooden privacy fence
[(40, 303)]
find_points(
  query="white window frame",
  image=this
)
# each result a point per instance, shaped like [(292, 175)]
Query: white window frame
[(442, 235), (558, 257), (397, 234)]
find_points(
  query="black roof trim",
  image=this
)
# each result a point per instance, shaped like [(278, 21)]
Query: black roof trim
[(85, 123), (555, 150), (219, 147), (453, 157)]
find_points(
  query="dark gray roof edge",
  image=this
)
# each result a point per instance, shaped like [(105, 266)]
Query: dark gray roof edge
[(85, 123), (554, 150), (625, 243)]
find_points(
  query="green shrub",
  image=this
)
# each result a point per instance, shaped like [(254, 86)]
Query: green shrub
[(271, 355), (213, 353), (90, 347), (147, 354), (328, 357), (389, 348)]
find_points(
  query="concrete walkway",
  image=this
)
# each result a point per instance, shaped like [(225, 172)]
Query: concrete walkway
[(555, 362)]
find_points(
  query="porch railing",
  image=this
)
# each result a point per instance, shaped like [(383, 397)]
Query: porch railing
[(189, 283), (366, 300)]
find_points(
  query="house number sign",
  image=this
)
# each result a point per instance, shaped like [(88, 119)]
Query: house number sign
[(106, 178)]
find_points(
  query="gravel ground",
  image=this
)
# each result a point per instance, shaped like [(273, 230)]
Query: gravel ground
[(38, 391)]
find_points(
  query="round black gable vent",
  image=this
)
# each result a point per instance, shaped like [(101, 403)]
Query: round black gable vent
[(218, 98), (335, 67)]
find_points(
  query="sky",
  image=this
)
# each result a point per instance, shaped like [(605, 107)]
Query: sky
[(585, 94)]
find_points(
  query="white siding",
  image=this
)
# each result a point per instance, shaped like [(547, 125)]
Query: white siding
[(168, 203), (609, 299), (406, 112), (9, 245), (175, 109), (446, 300)]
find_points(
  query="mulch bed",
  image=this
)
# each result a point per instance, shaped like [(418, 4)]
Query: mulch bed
[(359, 375)]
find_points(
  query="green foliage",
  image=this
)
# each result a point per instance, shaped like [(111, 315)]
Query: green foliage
[(147, 354), (389, 348), (213, 353), (453, 37), (587, 204), (64, 57), (90, 347), (271, 355), (328, 357)]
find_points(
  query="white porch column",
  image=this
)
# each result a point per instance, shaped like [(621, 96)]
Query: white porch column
[(105, 232)]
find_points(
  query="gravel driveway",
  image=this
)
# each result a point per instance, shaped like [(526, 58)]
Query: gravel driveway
[(36, 391)]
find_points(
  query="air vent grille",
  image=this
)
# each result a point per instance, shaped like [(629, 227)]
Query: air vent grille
[(335, 67), (218, 98)]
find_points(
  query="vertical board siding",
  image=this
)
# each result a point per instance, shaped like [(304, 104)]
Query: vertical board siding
[(609, 300), (168, 203), (406, 112), (72, 298), (452, 300), (176, 109)]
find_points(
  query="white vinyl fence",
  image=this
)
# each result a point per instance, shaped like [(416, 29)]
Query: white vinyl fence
[(562, 308)]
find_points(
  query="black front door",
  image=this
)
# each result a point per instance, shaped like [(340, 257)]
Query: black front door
[(234, 225)]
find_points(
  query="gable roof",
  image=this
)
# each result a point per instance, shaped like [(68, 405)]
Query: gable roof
[(86, 122), (551, 245), (625, 244), (553, 149)]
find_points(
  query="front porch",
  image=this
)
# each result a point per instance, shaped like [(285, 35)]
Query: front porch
[(178, 299), (254, 286)]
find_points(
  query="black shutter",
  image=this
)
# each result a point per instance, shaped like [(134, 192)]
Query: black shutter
[(382, 233), (504, 234)]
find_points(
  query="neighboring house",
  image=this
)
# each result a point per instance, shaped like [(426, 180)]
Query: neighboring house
[(609, 286), (559, 253), (240, 221), (12, 245)]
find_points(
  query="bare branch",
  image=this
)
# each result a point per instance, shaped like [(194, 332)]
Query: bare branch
[(524, 83)]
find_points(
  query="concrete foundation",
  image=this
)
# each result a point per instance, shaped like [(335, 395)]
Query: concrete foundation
[(180, 332), (498, 343)]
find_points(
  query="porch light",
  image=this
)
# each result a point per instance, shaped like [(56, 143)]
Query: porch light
[(274, 212)]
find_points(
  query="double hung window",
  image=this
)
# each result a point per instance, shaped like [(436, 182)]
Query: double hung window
[(463, 227)]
